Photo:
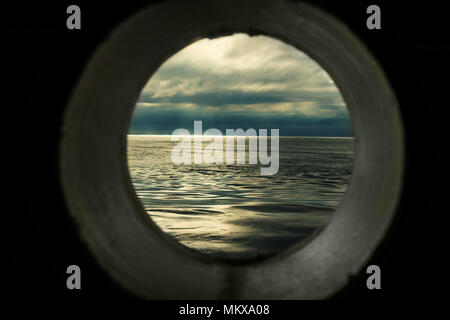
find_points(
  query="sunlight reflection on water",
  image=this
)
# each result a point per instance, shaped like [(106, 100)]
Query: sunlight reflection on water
[(231, 211)]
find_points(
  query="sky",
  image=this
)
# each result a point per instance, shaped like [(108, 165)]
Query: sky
[(241, 81)]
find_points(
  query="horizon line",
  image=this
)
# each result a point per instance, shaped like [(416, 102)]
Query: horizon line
[(195, 135)]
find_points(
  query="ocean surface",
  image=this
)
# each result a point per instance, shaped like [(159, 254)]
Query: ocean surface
[(232, 211)]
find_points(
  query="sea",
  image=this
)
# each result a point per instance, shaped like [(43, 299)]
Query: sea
[(232, 211)]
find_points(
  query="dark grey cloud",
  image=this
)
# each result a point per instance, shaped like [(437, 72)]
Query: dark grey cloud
[(157, 121), (234, 97)]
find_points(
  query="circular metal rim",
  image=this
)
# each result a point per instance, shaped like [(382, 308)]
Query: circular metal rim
[(111, 220)]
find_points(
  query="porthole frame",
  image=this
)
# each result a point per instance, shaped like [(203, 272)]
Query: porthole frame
[(111, 219)]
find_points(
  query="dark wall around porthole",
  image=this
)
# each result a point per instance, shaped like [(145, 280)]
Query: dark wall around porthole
[(46, 62)]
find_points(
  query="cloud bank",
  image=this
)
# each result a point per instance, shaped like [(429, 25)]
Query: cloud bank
[(244, 82)]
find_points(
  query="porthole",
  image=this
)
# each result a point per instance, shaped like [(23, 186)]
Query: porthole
[(113, 223)]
